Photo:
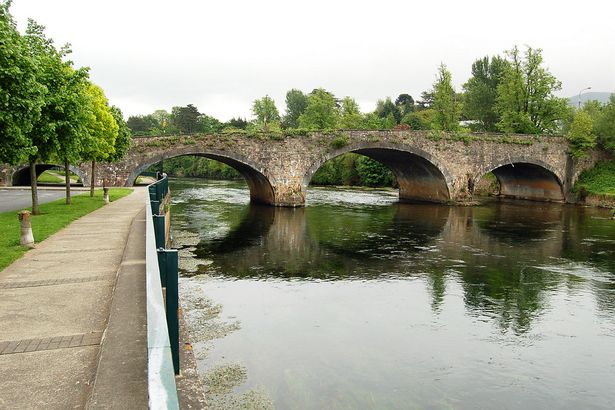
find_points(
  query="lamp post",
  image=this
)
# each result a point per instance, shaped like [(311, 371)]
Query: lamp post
[(584, 89)]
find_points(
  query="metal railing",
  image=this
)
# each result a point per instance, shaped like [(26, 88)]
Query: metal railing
[(162, 321)]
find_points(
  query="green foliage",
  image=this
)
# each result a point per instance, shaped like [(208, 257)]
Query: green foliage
[(405, 103), (580, 136), (526, 102), (385, 109), (446, 105), (419, 120), (340, 141), (185, 119), (351, 117), (321, 112), (481, 92), (600, 180), (604, 126), (101, 127), (266, 113), (296, 103), (54, 216), (354, 170), (21, 94), (123, 139)]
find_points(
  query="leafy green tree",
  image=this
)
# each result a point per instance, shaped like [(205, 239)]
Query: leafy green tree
[(405, 103), (426, 101), (373, 173), (481, 92), (525, 99), (236, 123), (446, 105), (185, 119), (21, 95), (266, 112), (386, 108), (296, 103), (141, 125), (161, 123), (321, 111), (102, 131), (419, 120), (61, 109), (123, 139), (604, 126), (350, 116), (209, 125), (580, 136)]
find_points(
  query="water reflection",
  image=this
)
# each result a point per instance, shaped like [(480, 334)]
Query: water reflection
[(540, 275)]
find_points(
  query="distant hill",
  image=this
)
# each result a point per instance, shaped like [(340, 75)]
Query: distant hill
[(603, 97)]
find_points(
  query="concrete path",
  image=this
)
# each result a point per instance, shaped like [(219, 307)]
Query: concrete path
[(15, 198), (57, 319)]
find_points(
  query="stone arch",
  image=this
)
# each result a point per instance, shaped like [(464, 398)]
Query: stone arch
[(421, 177), (261, 190), (526, 178), (21, 174)]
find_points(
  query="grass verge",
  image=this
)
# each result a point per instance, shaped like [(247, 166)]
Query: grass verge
[(54, 216), (600, 180)]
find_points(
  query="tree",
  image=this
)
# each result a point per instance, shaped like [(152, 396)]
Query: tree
[(350, 117), (580, 136), (123, 139), (53, 74), (238, 123), (185, 119), (266, 112), (163, 122), (209, 125), (102, 130), (386, 109), (142, 124), (604, 125), (426, 100), (21, 95), (321, 111), (296, 103), (525, 99), (446, 105), (481, 92), (405, 103)]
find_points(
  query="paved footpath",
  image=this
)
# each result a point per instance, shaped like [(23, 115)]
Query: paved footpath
[(74, 302)]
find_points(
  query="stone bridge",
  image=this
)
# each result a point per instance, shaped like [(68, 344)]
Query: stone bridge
[(429, 166)]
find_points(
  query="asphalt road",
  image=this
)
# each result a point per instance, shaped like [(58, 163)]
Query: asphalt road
[(15, 199)]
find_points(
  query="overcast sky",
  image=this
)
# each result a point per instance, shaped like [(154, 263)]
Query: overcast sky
[(220, 55)]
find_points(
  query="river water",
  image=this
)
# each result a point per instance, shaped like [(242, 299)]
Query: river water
[(360, 302)]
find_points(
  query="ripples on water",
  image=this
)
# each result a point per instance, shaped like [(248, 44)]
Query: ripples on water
[(357, 301)]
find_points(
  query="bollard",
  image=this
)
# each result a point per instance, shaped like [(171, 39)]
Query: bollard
[(27, 239), (169, 265), (106, 195)]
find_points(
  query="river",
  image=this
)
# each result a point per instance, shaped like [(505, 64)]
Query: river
[(358, 301)]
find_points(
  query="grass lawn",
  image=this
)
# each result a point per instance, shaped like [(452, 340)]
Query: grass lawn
[(54, 216), (600, 180), (49, 178)]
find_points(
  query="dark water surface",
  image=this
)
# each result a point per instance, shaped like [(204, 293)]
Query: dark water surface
[(359, 302)]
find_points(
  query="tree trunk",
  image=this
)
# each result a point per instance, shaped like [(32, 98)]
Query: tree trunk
[(93, 178), (67, 181), (35, 210)]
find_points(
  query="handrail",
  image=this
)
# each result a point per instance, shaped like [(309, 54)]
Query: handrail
[(162, 390)]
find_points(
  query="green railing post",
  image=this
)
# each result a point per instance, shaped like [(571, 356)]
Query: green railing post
[(159, 231), (172, 303), (155, 207)]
